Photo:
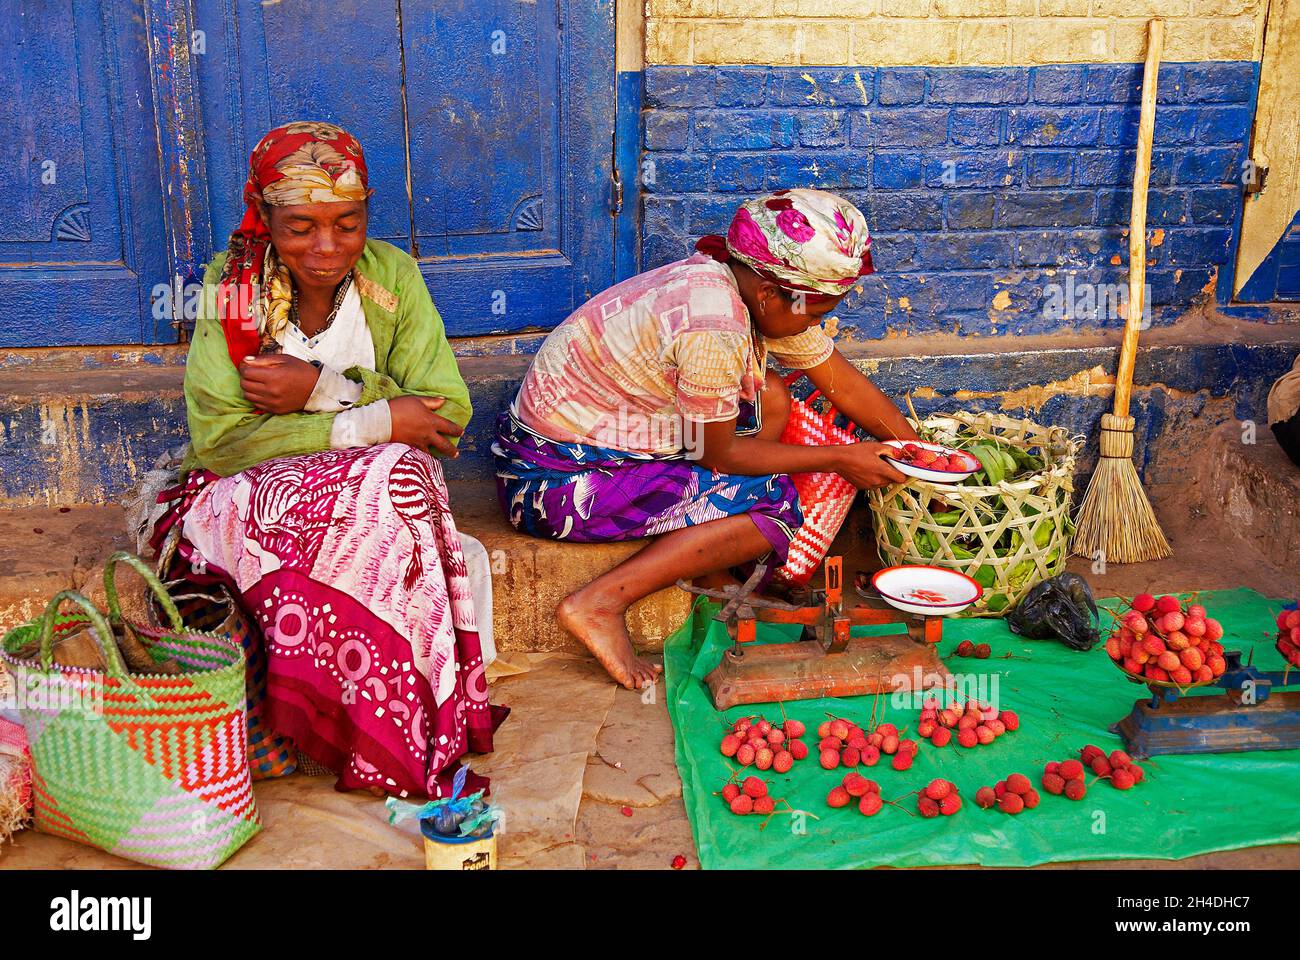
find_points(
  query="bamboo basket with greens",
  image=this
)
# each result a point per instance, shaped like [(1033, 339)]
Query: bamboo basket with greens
[(1007, 526)]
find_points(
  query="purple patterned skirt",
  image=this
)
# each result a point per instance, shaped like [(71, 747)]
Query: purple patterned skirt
[(588, 494)]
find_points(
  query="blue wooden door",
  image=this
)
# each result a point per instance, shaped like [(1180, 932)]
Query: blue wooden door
[(82, 239), (487, 125)]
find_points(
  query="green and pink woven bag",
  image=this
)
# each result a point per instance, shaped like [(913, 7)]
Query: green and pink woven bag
[(150, 767)]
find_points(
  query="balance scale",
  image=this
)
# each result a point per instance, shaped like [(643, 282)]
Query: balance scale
[(826, 661), (1250, 715)]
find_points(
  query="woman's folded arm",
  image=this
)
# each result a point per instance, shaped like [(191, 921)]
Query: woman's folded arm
[(420, 362), (228, 435)]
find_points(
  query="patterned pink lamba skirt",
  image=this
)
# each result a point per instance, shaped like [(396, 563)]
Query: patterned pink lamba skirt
[(350, 563)]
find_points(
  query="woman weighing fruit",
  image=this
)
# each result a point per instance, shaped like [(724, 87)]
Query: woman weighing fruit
[(650, 412)]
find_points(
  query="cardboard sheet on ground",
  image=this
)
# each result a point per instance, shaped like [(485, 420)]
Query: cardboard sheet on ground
[(1190, 804)]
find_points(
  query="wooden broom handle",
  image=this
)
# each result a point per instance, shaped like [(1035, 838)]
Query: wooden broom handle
[(1137, 234)]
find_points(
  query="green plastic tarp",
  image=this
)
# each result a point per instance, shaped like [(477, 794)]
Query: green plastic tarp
[(1188, 805)]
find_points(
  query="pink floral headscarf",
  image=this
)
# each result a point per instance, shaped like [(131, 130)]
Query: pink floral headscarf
[(804, 240)]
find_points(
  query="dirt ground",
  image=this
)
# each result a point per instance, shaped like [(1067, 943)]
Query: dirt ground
[(585, 770)]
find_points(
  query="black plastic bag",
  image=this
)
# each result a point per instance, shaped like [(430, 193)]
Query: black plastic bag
[(1060, 608)]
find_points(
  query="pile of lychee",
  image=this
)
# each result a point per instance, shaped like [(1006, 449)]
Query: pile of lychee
[(939, 797), (976, 723), (762, 744), (1012, 795), (856, 786), (1157, 639), (749, 796), (844, 743), (1288, 636), (945, 460)]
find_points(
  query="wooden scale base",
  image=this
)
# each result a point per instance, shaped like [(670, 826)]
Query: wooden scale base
[(826, 661)]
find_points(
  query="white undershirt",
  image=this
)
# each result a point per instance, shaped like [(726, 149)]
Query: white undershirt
[(344, 343)]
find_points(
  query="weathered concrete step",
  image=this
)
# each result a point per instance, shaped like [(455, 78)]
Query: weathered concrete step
[(530, 577), (44, 550)]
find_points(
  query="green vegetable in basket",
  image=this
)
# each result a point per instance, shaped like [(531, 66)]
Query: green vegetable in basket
[(994, 469), (1026, 461), (1042, 536), (894, 534), (1021, 572)]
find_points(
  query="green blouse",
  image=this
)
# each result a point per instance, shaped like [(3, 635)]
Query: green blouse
[(412, 357)]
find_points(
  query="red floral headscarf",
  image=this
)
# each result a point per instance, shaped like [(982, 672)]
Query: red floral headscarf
[(300, 162), (808, 241)]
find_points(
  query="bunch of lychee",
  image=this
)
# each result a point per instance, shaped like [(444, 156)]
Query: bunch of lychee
[(980, 651), (1012, 795), (844, 743), (1065, 778), (764, 745), (749, 796), (855, 786), (1118, 767), (976, 723), (1157, 639), (1288, 636), (939, 797)]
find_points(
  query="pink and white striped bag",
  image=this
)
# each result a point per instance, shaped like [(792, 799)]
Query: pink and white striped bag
[(824, 498)]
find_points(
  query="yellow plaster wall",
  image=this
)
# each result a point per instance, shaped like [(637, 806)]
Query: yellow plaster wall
[(1276, 142), (946, 32)]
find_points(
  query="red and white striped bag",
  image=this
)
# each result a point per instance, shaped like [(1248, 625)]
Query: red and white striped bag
[(824, 498)]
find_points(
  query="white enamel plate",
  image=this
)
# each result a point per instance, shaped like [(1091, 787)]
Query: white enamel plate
[(969, 462), (934, 591)]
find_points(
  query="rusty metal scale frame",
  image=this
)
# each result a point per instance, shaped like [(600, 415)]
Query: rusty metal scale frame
[(826, 661)]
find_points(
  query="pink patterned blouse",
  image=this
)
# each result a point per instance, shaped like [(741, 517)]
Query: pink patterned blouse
[(674, 343)]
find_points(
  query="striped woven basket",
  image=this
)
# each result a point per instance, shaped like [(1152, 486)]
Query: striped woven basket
[(150, 767), (212, 609), (825, 499)]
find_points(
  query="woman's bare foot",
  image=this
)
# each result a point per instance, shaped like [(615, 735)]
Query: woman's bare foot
[(604, 633)]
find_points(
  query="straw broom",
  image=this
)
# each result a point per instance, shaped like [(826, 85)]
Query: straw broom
[(1115, 521)]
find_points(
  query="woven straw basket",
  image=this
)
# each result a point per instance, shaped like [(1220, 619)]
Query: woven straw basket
[(958, 526)]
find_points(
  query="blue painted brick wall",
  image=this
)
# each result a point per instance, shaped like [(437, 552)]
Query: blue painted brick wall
[(974, 180)]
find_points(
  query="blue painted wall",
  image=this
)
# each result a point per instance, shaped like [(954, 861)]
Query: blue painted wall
[(975, 181)]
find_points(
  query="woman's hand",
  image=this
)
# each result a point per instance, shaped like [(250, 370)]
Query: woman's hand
[(277, 382), (862, 466), (416, 424)]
